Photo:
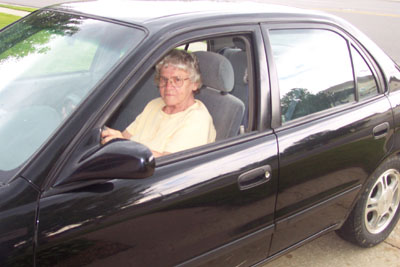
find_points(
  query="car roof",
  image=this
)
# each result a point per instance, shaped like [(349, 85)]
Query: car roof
[(165, 17), (149, 13)]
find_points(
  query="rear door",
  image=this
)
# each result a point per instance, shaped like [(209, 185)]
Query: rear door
[(334, 127)]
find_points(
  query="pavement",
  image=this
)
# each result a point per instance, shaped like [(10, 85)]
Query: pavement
[(332, 251), (328, 250), (13, 12)]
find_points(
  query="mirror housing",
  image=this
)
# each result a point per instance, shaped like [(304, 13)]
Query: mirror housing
[(118, 159)]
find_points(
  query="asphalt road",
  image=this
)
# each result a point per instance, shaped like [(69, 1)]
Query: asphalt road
[(380, 20), (331, 251)]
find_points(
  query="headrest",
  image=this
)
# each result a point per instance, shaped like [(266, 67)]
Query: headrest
[(239, 43), (216, 71)]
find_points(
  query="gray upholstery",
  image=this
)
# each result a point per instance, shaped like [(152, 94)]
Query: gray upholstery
[(239, 43), (218, 79), (238, 58), (216, 71)]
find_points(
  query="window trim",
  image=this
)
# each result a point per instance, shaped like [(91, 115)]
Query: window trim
[(275, 91), (352, 47), (256, 88), (372, 65)]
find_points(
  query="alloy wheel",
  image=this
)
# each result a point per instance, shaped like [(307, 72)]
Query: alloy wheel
[(383, 201)]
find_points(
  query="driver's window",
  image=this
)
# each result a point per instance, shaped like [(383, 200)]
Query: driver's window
[(218, 106)]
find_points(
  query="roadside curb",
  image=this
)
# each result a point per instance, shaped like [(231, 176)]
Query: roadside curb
[(13, 12)]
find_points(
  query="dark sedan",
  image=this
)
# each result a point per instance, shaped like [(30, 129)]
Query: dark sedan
[(305, 107)]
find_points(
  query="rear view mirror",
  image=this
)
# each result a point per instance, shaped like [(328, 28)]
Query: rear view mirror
[(118, 159)]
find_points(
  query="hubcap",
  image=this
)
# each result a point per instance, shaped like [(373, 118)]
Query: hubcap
[(383, 201)]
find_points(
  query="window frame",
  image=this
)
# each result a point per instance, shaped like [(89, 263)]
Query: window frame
[(275, 91), (256, 52), (378, 91)]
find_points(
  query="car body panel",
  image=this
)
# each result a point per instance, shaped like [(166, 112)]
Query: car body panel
[(326, 157), (195, 205), (394, 98), (346, 153), (18, 215)]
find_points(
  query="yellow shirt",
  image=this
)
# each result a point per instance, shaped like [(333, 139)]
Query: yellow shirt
[(171, 133)]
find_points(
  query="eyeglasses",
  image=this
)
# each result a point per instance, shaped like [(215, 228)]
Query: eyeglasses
[(176, 81)]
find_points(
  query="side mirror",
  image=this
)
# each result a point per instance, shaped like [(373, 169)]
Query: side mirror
[(118, 159)]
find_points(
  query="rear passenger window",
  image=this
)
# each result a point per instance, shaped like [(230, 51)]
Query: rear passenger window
[(366, 83), (314, 71)]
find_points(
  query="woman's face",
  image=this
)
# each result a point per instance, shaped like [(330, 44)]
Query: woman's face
[(176, 88)]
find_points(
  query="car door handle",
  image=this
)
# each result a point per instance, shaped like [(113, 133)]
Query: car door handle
[(381, 130), (254, 177)]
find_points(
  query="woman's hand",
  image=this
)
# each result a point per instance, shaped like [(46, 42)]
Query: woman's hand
[(109, 134)]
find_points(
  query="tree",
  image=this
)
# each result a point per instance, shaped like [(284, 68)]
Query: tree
[(33, 33)]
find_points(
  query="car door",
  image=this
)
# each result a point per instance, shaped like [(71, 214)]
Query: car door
[(17, 222), (46, 70), (212, 205), (334, 127)]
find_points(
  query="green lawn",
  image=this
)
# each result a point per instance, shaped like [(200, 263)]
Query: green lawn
[(6, 19)]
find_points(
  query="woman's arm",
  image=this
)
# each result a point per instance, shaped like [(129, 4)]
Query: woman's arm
[(109, 134), (158, 154)]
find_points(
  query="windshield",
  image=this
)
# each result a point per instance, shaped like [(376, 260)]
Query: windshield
[(49, 62)]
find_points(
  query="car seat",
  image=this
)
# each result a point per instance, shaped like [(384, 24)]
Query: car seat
[(238, 58), (218, 80)]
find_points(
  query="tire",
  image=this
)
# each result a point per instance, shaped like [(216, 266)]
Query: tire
[(377, 211)]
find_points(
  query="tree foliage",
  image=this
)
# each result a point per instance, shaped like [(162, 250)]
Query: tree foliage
[(300, 102), (32, 34)]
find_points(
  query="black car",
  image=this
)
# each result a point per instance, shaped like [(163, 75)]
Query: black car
[(307, 120)]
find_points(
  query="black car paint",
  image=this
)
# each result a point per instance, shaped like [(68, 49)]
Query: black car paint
[(344, 159), (195, 204), (18, 216), (184, 206)]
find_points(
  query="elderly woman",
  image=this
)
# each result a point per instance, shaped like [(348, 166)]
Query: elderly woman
[(176, 121)]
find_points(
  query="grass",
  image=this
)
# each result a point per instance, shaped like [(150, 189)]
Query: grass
[(20, 8), (6, 19)]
